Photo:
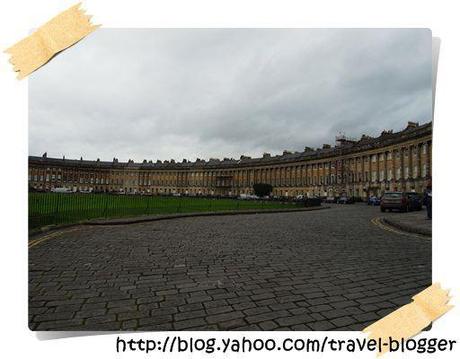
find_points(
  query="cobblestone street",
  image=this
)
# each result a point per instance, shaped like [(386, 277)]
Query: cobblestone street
[(323, 270)]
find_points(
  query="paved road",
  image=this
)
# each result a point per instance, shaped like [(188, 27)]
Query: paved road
[(323, 270)]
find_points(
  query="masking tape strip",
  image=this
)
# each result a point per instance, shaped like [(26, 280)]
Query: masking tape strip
[(59, 33), (412, 318)]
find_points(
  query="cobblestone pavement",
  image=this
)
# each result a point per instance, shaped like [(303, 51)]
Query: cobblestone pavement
[(322, 270)]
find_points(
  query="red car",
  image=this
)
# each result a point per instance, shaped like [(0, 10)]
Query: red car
[(394, 200)]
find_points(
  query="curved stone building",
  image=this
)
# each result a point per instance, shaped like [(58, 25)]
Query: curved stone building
[(396, 161)]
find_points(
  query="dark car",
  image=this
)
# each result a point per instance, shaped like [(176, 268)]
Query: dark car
[(415, 201), (394, 200), (345, 200), (373, 201)]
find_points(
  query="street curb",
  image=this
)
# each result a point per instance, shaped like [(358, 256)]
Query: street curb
[(123, 221), (407, 228)]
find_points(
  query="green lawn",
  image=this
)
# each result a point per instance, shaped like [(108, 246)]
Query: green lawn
[(59, 208)]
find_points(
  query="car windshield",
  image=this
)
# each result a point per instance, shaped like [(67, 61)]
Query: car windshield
[(393, 195)]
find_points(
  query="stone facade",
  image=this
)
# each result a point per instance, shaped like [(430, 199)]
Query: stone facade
[(399, 161)]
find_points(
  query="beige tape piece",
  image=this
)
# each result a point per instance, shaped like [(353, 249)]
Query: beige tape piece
[(411, 319), (61, 32)]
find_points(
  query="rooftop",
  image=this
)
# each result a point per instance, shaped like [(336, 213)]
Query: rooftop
[(343, 146)]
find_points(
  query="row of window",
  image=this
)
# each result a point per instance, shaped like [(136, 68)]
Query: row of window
[(351, 177), (200, 177), (304, 173)]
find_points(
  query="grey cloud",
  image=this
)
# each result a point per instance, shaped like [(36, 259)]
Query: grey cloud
[(175, 93)]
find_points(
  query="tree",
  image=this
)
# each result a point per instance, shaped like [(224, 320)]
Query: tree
[(262, 189)]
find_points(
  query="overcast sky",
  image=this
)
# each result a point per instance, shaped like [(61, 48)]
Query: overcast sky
[(187, 93)]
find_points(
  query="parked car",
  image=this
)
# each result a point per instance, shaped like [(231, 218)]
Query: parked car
[(61, 190), (373, 201), (394, 200), (345, 200), (415, 201), (330, 199)]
